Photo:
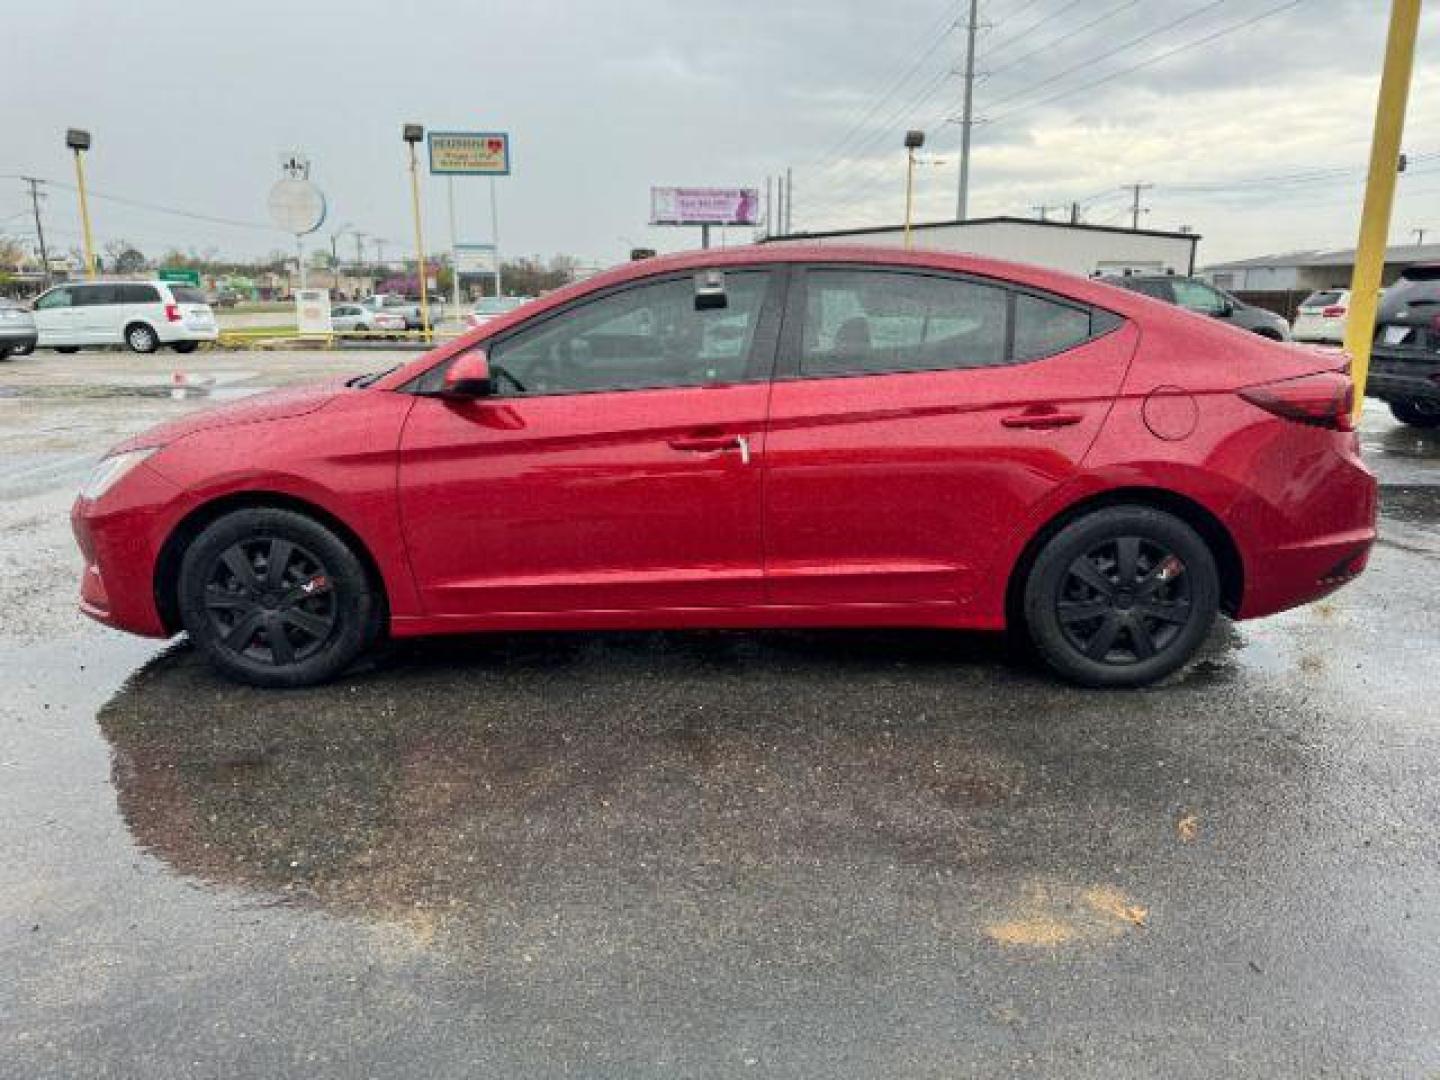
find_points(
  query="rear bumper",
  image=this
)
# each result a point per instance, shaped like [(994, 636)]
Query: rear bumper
[(17, 338), (1312, 533), (172, 332), (1403, 376)]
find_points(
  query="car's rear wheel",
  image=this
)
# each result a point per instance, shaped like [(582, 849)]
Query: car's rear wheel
[(1421, 414), (141, 338), (67, 349), (185, 346), (274, 598), (1121, 597)]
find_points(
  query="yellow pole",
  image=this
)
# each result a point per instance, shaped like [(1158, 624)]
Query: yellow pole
[(909, 189), (1380, 191), (419, 246), (84, 214)]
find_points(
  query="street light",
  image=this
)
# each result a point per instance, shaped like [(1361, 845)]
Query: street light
[(79, 142), (412, 134), (913, 141)]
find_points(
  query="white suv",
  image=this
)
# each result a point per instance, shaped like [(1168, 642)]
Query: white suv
[(141, 314)]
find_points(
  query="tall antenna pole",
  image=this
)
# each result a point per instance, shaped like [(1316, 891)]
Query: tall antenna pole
[(789, 201), (967, 119)]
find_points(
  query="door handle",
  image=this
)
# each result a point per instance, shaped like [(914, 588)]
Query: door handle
[(1041, 421), (714, 444)]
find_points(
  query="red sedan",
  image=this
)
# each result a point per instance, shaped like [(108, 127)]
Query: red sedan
[(786, 436)]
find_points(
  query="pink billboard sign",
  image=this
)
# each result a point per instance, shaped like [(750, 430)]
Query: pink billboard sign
[(704, 206)]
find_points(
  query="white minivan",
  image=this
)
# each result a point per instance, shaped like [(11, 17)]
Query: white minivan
[(140, 314)]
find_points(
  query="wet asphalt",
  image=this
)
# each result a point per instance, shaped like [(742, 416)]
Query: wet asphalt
[(707, 854)]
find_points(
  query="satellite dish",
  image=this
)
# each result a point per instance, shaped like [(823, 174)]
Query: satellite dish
[(297, 206)]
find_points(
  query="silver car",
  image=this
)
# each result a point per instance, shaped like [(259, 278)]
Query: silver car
[(17, 330)]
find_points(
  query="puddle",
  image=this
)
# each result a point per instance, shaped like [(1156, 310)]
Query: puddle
[(159, 390), (1415, 504)]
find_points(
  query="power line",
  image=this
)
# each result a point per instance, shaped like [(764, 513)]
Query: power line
[(937, 33), (170, 210), (1126, 5), (1022, 35), (1091, 61), (1196, 43)]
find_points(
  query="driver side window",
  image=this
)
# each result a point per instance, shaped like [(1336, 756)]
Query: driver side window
[(646, 337)]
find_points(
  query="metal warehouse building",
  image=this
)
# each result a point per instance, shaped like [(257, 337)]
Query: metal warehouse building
[(1075, 248), (1306, 271)]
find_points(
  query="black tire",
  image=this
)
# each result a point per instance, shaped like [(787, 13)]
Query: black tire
[(67, 349), (185, 346), (141, 338), (5, 352), (1121, 597), (1421, 414), (320, 603)]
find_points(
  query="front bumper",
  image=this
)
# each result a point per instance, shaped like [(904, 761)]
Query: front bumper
[(1403, 375), (120, 537)]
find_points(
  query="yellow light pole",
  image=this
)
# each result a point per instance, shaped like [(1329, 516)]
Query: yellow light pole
[(79, 142), (913, 141), (1380, 191), (412, 134)]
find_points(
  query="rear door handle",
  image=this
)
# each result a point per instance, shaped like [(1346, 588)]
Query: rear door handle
[(1041, 421), (714, 444)]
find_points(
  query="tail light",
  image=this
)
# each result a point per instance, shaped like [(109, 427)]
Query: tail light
[(172, 312), (1333, 312), (1325, 399)]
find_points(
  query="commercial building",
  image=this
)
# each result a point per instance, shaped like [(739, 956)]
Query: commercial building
[(1306, 271), (1059, 245)]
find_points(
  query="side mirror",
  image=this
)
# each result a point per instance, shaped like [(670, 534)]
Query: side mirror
[(469, 376)]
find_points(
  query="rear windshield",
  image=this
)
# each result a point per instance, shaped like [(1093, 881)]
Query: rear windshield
[(1322, 299), (185, 294), (1422, 273)]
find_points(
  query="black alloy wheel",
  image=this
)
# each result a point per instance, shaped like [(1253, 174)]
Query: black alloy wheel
[(1124, 601), (275, 598), (1122, 596), (270, 600)]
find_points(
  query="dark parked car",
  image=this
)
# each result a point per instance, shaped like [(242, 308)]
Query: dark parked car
[(17, 329), (1204, 298), (1405, 363)]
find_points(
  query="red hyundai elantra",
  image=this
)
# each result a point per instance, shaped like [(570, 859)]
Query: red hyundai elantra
[(774, 436)]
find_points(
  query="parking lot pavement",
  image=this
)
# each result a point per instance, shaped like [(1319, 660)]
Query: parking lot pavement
[(709, 854)]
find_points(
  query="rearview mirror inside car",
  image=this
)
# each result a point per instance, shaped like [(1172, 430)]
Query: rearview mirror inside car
[(710, 290), (468, 376)]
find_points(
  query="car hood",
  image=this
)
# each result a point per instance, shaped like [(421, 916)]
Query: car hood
[(270, 405)]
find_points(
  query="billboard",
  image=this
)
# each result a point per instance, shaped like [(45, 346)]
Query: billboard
[(475, 259), (704, 206), (469, 153)]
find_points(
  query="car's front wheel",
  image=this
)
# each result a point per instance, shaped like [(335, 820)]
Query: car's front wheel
[(1121, 597), (1421, 414), (274, 598)]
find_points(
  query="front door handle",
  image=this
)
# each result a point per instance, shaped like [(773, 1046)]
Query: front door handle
[(1041, 421), (714, 444)]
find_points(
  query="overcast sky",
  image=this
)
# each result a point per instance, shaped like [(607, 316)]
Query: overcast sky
[(191, 105)]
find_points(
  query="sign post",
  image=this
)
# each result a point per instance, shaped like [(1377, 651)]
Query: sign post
[(471, 153)]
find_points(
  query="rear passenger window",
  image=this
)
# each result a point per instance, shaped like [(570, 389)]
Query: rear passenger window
[(139, 294), (1044, 327), (95, 295), (871, 321), (187, 294)]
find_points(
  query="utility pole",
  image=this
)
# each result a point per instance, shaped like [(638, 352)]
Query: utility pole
[(1135, 208), (1380, 189), (967, 117), (789, 200), (769, 207), (1074, 213), (39, 229), (1419, 235), (1042, 211)]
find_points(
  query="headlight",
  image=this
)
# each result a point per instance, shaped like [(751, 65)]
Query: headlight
[(111, 469)]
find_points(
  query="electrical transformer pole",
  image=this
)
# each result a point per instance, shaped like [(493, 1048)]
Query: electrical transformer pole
[(967, 119)]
